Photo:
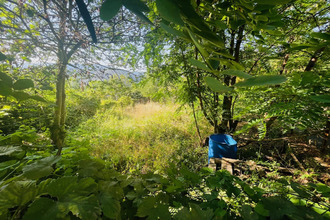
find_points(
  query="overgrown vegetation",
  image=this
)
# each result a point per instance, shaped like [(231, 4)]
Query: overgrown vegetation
[(80, 143)]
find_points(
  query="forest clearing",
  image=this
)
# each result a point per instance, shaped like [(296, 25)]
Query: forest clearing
[(164, 109)]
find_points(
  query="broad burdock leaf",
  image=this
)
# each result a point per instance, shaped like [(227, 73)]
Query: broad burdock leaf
[(23, 84), (262, 81), (17, 193), (216, 86), (82, 206), (195, 212), (153, 208), (110, 206), (40, 168), (109, 9), (69, 185), (44, 209), (169, 10)]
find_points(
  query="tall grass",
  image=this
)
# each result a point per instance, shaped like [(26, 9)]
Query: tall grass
[(146, 137)]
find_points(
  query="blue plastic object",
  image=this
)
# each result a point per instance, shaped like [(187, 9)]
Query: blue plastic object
[(222, 145)]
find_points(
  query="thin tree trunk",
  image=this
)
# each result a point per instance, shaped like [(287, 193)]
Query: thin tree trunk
[(58, 131)]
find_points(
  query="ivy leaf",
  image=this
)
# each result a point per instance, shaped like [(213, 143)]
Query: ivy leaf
[(40, 168), (23, 84), (44, 209), (237, 73), (17, 193), (109, 9), (110, 206), (321, 98), (170, 11), (216, 85), (262, 81)]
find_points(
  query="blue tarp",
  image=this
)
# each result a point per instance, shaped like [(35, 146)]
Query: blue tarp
[(222, 145)]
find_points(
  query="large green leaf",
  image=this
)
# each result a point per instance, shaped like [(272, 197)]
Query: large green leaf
[(37, 98), (69, 185), (262, 81), (200, 65), (136, 4), (169, 10), (216, 86), (153, 208), (21, 96), (5, 90), (173, 31), (17, 193), (321, 98), (82, 206), (12, 152), (194, 213), (109, 9), (40, 168), (323, 36), (137, 7), (2, 56), (110, 206), (23, 84), (6, 79), (279, 207), (201, 49), (237, 73), (44, 209)]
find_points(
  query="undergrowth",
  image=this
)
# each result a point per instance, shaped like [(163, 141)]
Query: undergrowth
[(144, 137)]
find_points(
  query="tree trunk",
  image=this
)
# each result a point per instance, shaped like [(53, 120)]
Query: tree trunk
[(228, 124), (58, 131)]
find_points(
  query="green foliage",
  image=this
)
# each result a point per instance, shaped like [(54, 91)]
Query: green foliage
[(179, 194)]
